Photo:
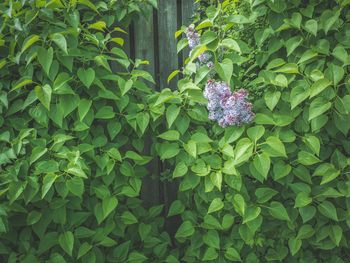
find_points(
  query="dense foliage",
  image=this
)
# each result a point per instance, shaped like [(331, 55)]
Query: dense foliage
[(77, 118), (276, 189), (72, 154)]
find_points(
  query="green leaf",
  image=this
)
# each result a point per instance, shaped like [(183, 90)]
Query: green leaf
[(198, 50), (21, 83), (305, 232), (176, 208), (84, 248), (232, 254), (290, 68), (105, 112), (256, 132), (33, 217), (83, 108), (142, 120), (128, 218), (298, 95), (75, 185), (204, 24), (327, 209), (210, 254), (294, 245), (336, 233), (173, 75), (144, 230), (278, 211), (243, 151), (275, 147), (292, 44), (328, 19), (168, 150), (307, 158), (171, 135), (271, 99), (311, 26), (307, 55), (212, 239), (60, 41), (327, 171), (251, 214), (48, 181), (44, 95), (225, 69), (215, 205), (319, 86), (126, 87), (86, 76), (37, 152), (302, 200), (185, 230), (313, 143), (216, 179), (231, 44), (29, 41), (171, 114), (307, 213), (180, 170), (262, 164), (239, 204), (277, 62), (191, 148), (45, 58), (264, 194), (136, 257), (66, 241), (88, 4)]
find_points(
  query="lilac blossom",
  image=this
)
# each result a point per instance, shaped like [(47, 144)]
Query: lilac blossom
[(225, 107), (193, 41)]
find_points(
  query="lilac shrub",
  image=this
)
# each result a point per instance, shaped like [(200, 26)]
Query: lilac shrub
[(225, 107)]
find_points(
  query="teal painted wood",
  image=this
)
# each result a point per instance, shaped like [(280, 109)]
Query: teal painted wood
[(167, 56), (153, 39), (144, 41), (168, 62), (145, 50), (187, 11)]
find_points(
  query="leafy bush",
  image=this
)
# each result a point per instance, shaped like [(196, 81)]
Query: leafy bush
[(276, 189), (71, 136), (75, 136)]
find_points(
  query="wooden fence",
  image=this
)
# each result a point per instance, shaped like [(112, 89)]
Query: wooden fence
[(153, 39)]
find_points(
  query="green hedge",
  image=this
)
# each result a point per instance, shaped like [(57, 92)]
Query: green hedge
[(71, 136), (74, 135), (277, 189)]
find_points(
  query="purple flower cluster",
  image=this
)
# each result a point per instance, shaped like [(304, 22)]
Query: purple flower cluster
[(225, 107), (193, 41)]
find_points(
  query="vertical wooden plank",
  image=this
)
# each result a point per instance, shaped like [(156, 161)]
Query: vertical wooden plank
[(144, 41), (144, 49), (168, 62), (187, 7), (167, 26)]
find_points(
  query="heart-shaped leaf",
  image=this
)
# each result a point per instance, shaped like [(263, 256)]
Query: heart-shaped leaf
[(86, 76)]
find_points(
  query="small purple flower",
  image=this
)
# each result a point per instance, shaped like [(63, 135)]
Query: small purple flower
[(210, 65), (192, 36), (225, 107)]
